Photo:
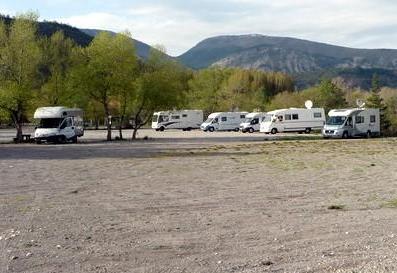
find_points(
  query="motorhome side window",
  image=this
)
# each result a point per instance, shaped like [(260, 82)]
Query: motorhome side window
[(174, 117), (359, 119), (184, 115), (317, 115), (223, 118), (242, 116), (287, 117), (295, 116), (372, 118)]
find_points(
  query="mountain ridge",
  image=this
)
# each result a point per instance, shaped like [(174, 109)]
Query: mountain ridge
[(294, 56)]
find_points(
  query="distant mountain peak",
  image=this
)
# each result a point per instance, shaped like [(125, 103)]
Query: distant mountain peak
[(285, 54)]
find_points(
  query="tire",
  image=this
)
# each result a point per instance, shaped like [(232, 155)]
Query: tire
[(369, 134), (251, 130), (273, 131), (308, 130), (74, 139), (161, 129), (236, 129), (345, 135), (211, 129), (38, 141), (60, 139)]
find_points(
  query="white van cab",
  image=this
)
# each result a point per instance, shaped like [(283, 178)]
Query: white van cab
[(223, 121), (58, 124), (252, 122)]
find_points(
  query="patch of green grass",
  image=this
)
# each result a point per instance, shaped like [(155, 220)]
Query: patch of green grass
[(390, 204)]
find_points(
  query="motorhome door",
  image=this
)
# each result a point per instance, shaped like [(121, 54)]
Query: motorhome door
[(67, 128), (360, 127)]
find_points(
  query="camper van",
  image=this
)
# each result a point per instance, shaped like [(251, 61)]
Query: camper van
[(357, 122), (252, 122), (224, 121), (293, 120), (183, 119), (58, 124)]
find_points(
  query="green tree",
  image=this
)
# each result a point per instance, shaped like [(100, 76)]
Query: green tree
[(20, 58), (57, 62), (329, 96), (374, 100), (125, 77), (106, 73), (160, 86), (205, 89)]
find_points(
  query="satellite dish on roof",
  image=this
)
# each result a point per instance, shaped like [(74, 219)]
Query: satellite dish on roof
[(360, 103), (309, 104)]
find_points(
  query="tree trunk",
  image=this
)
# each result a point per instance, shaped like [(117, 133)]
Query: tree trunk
[(17, 119), (19, 133), (134, 133), (109, 129), (109, 123), (120, 127)]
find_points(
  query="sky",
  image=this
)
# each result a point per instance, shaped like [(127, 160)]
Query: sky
[(179, 25)]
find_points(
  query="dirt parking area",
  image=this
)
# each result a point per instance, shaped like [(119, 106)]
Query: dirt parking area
[(192, 205)]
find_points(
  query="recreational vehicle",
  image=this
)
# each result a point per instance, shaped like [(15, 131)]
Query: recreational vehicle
[(293, 120), (252, 122), (357, 122), (58, 124), (183, 119), (224, 121)]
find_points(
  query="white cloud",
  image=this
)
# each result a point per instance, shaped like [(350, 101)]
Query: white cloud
[(180, 26)]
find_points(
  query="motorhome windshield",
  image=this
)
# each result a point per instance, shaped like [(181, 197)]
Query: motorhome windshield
[(248, 120), (154, 118), (50, 122), (336, 120), (209, 120)]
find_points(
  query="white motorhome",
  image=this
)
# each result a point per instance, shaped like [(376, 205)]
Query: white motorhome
[(223, 121), (58, 124), (356, 122), (252, 122), (293, 120), (182, 119)]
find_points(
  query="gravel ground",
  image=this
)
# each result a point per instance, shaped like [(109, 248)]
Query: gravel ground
[(183, 203)]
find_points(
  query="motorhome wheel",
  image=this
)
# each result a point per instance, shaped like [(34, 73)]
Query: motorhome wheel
[(273, 131), (74, 139), (211, 129), (345, 134), (61, 139), (369, 134), (161, 129), (251, 130), (236, 129), (308, 130)]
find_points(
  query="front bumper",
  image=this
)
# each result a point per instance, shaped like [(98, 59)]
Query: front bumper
[(332, 133)]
